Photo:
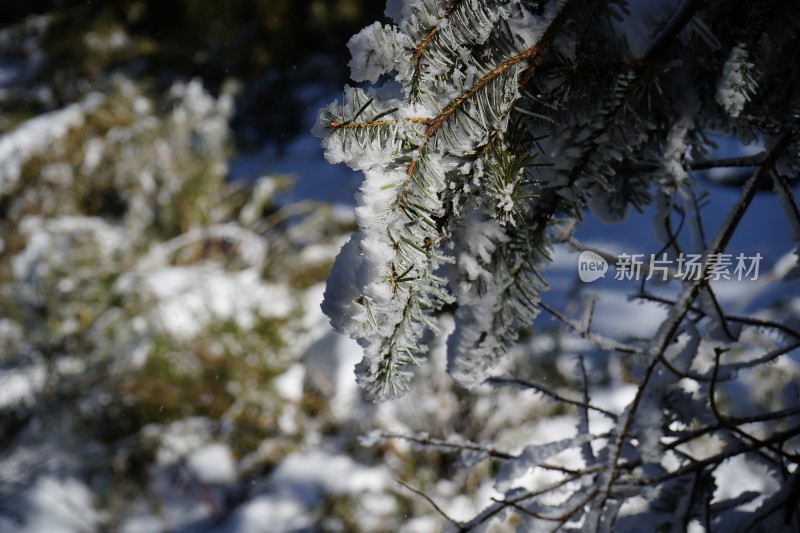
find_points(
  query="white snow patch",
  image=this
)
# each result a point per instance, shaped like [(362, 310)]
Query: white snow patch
[(189, 297), (269, 514), (738, 475), (290, 384), (213, 464), (616, 316), (330, 369), (376, 50), (334, 474), (20, 385), (180, 438), (51, 243), (60, 506)]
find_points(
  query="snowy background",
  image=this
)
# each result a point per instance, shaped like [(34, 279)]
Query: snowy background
[(164, 364)]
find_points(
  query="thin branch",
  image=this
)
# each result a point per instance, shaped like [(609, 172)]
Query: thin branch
[(377, 123), (773, 504), (766, 358), (682, 437), (456, 446), (583, 423), (516, 382), (429, 500), (561, 518), (670, 327), (774, 415), (528, 495), (698, 223), (751, 321), (600, 340), (753, 160), (721, 418), (791, 205), (720, 313), (475, 447), (699, 464)]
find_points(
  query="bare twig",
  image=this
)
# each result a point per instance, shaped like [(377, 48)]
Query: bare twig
[(516, 382), (429, 500)]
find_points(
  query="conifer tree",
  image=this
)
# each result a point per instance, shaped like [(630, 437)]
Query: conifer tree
[(485, 129)]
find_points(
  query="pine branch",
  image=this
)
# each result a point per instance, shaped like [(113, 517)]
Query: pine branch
[(533, 55), (377, 123), (416, 56)]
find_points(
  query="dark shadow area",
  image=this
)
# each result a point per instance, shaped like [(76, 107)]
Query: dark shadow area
[(271, 47)]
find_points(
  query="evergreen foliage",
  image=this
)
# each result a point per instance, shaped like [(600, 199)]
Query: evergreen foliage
[(486, 130)]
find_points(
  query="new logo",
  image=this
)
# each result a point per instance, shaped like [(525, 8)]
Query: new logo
[(591, 266)]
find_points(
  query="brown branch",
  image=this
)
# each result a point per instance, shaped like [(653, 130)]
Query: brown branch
[(453, 106), (472, 446), (533, 55), (566, 516), (353, 125), (561, 518), (416, 57)]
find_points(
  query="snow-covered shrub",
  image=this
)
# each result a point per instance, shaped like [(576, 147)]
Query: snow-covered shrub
[(164, 363), (149, 311), (489, 129)]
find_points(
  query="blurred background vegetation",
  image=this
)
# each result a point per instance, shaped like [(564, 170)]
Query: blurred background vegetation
[(271, 47)]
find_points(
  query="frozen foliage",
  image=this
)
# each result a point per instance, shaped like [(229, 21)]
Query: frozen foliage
[(675, 151), (736, 83), (376, 51), (494, 126), (410, 145)]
